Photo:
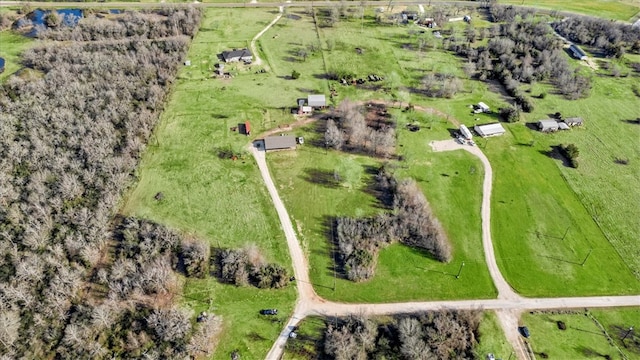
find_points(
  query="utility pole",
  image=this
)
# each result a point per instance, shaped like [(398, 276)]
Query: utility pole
[(627, 334), (585, 259), (460, 270)]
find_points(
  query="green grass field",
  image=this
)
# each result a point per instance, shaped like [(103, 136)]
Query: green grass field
[(11, 45), (608, 9), (221, 200), (583, 338)]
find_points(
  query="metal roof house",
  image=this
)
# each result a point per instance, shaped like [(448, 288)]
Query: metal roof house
[(577, 52), (563, 126), (486, 130), (548, 125), (465, 132), (481, 107), (279, 143), (317, 101), (574, 121), (237, 55)]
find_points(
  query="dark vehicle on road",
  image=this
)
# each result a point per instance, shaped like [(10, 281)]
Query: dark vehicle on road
[(269, 312), (524, 331)]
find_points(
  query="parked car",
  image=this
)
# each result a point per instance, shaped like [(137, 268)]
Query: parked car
[(524, 331), (269, 312)]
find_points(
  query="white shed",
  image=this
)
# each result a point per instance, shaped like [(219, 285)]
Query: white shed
[(465, 132), (484, 107), (317, 101), (487, 130)]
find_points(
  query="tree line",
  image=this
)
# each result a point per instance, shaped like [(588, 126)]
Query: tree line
[(422, 336), (347, 129), (74, 282), (412, 222)]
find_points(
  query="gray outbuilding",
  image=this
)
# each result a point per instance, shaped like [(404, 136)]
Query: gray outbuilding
[(317, 101), (279, 143), (548, 125)]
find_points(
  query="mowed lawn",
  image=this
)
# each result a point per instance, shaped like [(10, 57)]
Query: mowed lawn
[(608, 190), (608, 9), (220, 200), (583, 337)]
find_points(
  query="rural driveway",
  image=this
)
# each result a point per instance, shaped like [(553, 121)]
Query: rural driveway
[(508, 305), (254, 49)]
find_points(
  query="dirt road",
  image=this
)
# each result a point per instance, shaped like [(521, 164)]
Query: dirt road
[(508, 305), (254, 49)]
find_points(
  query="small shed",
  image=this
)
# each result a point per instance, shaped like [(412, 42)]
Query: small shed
[(465, 132), (574, 121), (483, 107), (317, 101), (577, 52), (279, 143), (563, 126), (486, 130), (1, 65), (247, 128), (306, 110), (548, 125)]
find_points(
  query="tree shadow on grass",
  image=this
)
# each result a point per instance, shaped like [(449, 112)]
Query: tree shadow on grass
[(556, 154), (327, 178), (337, 260)]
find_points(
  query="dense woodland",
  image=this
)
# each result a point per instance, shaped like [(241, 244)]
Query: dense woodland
[(521, 49), (76, 282), (423, 336), (358, 240)]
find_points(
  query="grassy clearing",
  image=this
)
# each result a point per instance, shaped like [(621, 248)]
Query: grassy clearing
[(451, 181), (11, 45), (582, 337), (220, 200), (607, 190), (492, 339), (608, 9)]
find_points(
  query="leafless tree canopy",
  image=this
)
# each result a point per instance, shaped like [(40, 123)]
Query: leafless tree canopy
[(523, 49), (425, 336), (358, 240), (247, 266), (350, 131), (72, 128)]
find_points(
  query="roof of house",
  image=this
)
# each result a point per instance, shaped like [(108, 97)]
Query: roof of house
[(576, 49), (548, 124), (483, 105), (574, 120), (236, 54), (489, 129), (317, 100), (563, 126), (279, 142)]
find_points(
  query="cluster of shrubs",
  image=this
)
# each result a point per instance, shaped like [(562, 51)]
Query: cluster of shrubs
[(441, 85), (411, 222), (73, 127), (428, 335), (349, 130), (247, 266), (571, 152)]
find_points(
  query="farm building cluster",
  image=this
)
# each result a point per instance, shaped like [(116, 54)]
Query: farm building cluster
[(553, 125)]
